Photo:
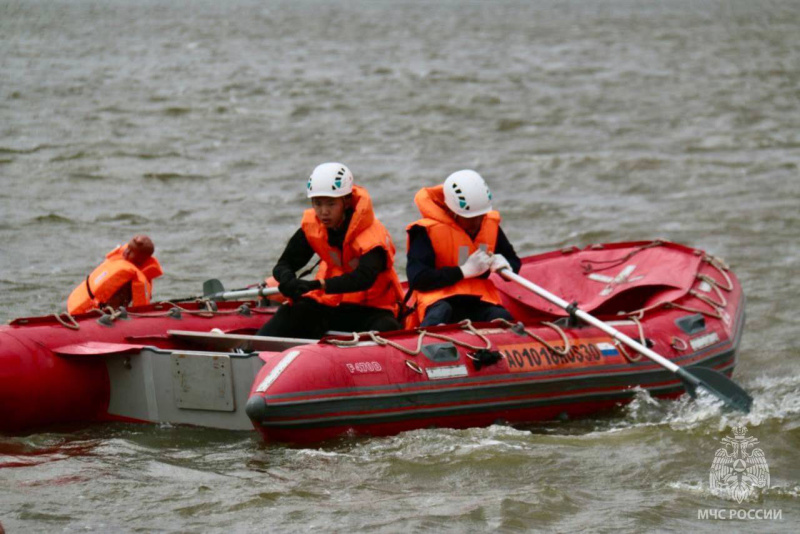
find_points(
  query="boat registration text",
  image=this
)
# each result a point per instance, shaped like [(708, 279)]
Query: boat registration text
[(534, 356)]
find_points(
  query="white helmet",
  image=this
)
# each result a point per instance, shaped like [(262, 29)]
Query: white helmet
[(466, 194), (330, 180)]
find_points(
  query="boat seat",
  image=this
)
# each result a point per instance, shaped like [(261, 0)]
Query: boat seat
[(338, 333), (221, 342)]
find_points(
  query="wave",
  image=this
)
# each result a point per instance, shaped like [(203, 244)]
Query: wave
[(51, 218), (146, 155), (509, 125), (775, 398), (31, 150), (131, 218), (175, 111), (70, 156), (172, 176), (17, 286), (85, 176)]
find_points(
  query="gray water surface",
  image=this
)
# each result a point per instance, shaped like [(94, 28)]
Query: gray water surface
[(199, 122)]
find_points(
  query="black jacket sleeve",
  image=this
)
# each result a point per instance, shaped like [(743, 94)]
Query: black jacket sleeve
[(295, 256), (505, 248), (421, 264), (370, 265)]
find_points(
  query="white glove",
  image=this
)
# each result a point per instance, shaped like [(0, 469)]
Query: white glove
[(477, 264), (499, 262)]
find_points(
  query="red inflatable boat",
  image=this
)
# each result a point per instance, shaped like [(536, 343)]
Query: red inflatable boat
[(163, 363), (679, 302)]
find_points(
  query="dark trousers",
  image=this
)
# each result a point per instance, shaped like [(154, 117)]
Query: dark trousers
[(307, 318), (457, 309)]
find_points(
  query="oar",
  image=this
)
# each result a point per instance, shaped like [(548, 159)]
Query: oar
[(214, 290), (697, 377)]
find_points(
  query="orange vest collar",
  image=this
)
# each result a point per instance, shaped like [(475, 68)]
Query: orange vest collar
[(363, 216), (430, 201)]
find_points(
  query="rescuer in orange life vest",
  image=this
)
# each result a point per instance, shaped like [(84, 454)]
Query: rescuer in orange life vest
[(125, 277), (356, 287), (452, 250)]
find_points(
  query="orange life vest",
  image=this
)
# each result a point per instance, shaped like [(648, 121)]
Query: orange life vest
[(364, 233), (110, 277), (452, 246)]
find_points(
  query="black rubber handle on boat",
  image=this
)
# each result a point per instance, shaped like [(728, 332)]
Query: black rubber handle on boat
[(710, 380)]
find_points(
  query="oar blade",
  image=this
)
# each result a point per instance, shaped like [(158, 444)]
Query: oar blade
[(718, 385), (212, 287)]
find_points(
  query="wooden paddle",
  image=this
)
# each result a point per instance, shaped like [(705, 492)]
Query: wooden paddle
[(710, 380)]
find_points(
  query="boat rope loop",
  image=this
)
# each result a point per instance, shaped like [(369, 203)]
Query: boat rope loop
[(588, 265), (639, 314), (563, 351), (708, 300), (70, 321), (720, 265), (728, 283), (717, 262), (716, 305), (383, 342), (414, 366), (107, 314), (466, 324), (642, 340), (374, 336), (113, 314), (678, 344), (209, 311), (715, 314)]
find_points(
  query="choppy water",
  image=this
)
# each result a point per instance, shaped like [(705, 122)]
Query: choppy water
[(198, 123)]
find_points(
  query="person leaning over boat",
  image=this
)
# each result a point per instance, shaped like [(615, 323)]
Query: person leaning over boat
[(356, 287), (452, 250), (125, 277)]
